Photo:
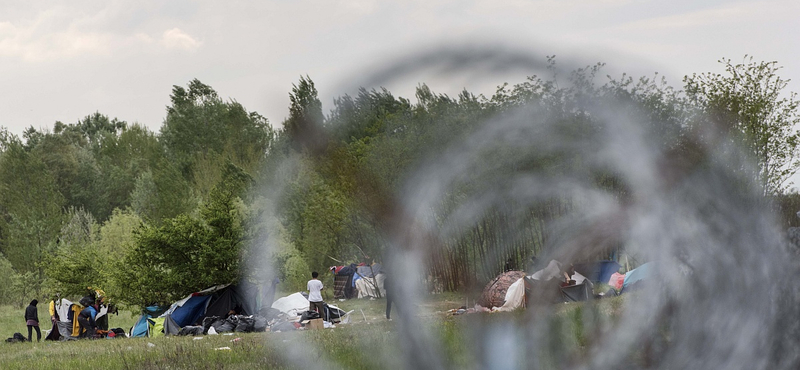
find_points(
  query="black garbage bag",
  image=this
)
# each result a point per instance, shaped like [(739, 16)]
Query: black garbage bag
[(269, 313), (245, 324), (209, 321), (260, 323), (284, 326), (227, 325), (309, 315), (191, 330)]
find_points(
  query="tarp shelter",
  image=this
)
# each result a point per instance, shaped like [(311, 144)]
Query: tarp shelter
[(192, 310), (494, 293), (545, 286), (515, 296), (295, 304), (292, 304), (366, 286), (218, 300), (241, 298), (343, 284), (638, 274), (551, 271), (576, 293)]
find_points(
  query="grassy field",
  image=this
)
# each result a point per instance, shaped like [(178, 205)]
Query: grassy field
[(350, 346)]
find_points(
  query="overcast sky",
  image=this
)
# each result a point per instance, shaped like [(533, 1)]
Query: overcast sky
[(61, 61)]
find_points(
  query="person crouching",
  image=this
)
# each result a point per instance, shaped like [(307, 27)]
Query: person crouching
[(86, 320)]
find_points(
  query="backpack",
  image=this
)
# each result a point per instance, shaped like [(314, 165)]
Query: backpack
[(309, 315), (18, 337)]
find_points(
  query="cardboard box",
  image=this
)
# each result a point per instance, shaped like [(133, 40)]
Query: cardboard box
[(315, 324)]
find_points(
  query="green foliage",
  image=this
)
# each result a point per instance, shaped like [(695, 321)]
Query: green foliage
[(161, 193), (750, 104), (31, 205), (14, 290), (200, 126), (186, 254), (304, 125)]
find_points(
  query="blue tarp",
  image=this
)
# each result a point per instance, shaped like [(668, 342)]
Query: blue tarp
[(191, 311), (607, 268), (640, 273)]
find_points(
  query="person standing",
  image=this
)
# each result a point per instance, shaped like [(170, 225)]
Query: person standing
[(32, 320), (389, 295), (315, 294), (86, 320)]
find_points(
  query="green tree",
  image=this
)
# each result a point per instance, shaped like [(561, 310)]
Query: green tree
[(750, 104), (31, 205), (304, 125), (185, 254), (74, 265), (201, 132)]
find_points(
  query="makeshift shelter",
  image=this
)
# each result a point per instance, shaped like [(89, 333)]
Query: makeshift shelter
[(343, 284), (145, 322), (296, 304), (577, 292), (494, 294), (599, 271), (547, 286), (368, 286), (636, 276), (192, 310), (240, 298), (164, 325), (515, 296), (292, 305)]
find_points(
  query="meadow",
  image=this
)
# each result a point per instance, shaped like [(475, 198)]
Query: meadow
[(368, 341)]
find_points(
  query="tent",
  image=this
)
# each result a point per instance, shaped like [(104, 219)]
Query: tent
[(577, 293), (218, 300), (192, 310), (164, 325), (494, 294), (240, 298), (144, 323)]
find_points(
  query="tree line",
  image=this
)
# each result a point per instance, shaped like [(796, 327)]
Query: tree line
[(152, 216)]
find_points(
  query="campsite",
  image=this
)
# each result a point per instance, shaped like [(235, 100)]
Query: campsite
[(348, 343), (348, 346), (337, 185)]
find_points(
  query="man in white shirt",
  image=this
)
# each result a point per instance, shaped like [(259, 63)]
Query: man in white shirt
[(314, 296)]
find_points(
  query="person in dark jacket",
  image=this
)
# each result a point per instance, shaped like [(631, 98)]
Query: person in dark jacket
[(390, 294), (32, 320), (86, 320)]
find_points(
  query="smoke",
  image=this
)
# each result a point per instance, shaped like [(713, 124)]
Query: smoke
[(721, 294)]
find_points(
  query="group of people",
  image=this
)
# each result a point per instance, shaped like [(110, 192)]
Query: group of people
[(315, 302), (86, 319)]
